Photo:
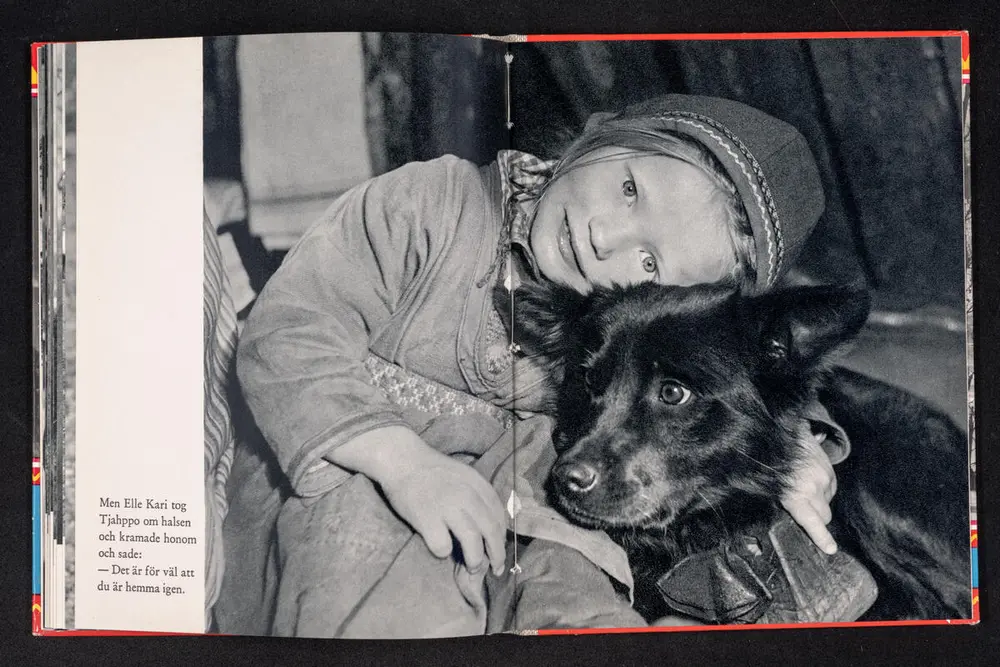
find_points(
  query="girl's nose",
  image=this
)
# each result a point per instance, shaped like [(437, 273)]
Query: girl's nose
[(607, 236)]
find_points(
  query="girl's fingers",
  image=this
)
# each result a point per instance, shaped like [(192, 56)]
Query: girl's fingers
[(816, 528), (437, 538), (826, 478), (496, 540), (822, 510), (493, 530), (831, 488), (491, 502), (812, 516), (470, 537)]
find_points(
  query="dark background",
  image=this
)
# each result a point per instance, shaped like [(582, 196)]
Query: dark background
[(43, 20), (882, 117)]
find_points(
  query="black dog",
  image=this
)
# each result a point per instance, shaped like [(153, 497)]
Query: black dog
[(677, 413)]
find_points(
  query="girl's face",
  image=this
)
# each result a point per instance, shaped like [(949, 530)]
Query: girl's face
[(626, 217)]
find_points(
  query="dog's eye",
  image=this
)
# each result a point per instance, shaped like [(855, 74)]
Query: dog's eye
[(674, 393)]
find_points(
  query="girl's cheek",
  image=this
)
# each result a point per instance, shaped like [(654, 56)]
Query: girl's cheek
[(616, 271)]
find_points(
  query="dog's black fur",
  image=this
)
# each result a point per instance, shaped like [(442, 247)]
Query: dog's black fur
[(678, 421)]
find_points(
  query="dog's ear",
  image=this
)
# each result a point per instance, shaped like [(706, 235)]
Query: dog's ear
[(545, 318), (801, 327)]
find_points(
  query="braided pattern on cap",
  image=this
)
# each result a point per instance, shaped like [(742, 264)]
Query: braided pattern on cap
[(765, 200)]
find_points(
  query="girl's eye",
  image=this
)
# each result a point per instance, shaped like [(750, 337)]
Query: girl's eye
[(628, 188), (674, 393), (648, 263)]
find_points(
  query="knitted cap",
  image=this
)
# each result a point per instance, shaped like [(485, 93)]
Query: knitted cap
[(767, 159)]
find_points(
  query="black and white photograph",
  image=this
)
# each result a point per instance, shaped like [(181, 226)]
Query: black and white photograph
[(504, 335), (524, 336)]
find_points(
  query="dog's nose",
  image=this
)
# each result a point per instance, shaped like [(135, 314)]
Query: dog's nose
[(579, 477)]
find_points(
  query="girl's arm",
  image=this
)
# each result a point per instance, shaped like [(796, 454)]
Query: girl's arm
[(813, 487), (300, 357), (438, 496)]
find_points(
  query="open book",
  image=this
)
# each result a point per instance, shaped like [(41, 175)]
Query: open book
[(395, 335)]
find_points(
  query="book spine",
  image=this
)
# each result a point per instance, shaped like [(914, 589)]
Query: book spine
[(49, 293), (967, 210), (38, 328)]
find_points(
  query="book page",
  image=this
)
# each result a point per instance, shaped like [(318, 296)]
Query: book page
[(365, 168), (840, 162), (199, 164), (140, 422)]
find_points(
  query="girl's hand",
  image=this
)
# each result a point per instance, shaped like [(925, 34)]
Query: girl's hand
[(808, 500), (439, 497)]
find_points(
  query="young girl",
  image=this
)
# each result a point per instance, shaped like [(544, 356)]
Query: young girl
[(374, 362)]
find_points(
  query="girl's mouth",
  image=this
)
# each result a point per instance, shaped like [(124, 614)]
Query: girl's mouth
[(566, 246)]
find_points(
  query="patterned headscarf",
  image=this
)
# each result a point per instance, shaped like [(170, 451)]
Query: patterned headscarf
[(522, 179)]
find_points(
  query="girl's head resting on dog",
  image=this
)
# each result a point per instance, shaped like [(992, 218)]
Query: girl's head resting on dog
[(679, 190), (628, 204)]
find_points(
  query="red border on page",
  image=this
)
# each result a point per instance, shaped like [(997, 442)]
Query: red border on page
[(590, 37)]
